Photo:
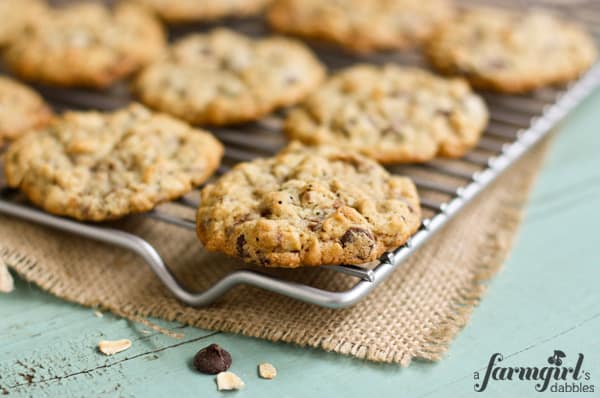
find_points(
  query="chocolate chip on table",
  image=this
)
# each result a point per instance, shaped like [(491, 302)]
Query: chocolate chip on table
[(212, 360)]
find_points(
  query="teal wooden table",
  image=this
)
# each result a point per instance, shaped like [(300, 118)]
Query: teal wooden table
[(545, 299)]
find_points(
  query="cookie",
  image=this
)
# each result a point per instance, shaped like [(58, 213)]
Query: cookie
[(361, 25), (224, 78), (86, 45), (95, 167), (21, 109), (183, 11), (392, 114), (16, 15), (512, 52), (308, 207)]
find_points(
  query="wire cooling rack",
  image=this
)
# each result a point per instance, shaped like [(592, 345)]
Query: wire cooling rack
[(445, 186)]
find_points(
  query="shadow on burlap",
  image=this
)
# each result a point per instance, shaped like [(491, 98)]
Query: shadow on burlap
[(414, 314)]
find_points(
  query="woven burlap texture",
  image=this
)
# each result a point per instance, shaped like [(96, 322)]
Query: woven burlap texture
[(414, 314)]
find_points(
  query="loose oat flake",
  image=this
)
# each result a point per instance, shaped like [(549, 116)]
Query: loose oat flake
[(7, 284), (229, 381), (112, 347), (267, 371)]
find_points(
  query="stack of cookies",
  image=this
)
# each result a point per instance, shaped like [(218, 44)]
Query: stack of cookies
[(324, 199)]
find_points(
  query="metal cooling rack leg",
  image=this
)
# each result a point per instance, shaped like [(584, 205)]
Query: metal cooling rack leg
[(145, 250)]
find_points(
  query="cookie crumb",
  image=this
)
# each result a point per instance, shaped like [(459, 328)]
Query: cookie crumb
[(229, 381), (98, 314), (112, 347), (267, 371)]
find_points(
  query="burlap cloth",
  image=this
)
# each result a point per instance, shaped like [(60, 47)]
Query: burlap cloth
[(414, 314)]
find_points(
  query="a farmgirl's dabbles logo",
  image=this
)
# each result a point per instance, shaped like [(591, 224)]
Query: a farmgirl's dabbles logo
[(562, 374)]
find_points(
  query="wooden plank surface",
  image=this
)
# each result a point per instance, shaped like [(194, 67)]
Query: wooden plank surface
[(546, 298)]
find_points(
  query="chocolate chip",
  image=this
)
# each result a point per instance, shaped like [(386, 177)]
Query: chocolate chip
[(444, 112), (345, 132), (240, 243), (359, 242), (289, 80), (205, 51), (212, 359), (266, 213), (353, 234), (264, 261), (497, 64)]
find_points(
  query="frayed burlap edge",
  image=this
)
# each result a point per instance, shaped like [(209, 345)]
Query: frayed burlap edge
[(493, 254)]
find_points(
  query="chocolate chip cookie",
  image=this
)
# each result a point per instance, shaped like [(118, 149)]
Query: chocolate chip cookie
[(21, 109), (16, 14), (93, 166), (393, 114), (308, 207), (512, 52), (361, 25), (224, 77), (86, 45), (182, 11)]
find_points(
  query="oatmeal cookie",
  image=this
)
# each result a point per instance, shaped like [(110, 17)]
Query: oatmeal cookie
[(21, 109), (16, 14), (86, 45), (362, 25), (512, 52), (224, 77), (308, 207), (393, 114), (182, 11), (95, 167)]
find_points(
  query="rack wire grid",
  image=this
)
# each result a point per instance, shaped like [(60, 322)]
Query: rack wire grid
[(445, 186)]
